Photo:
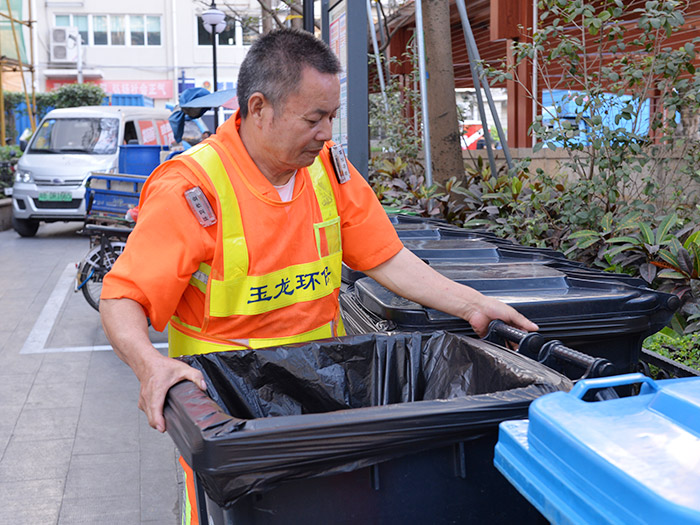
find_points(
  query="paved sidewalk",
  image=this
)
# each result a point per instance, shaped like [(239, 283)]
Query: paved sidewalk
[(74, 448)]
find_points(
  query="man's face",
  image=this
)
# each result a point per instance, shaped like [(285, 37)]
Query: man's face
[(297, 128)]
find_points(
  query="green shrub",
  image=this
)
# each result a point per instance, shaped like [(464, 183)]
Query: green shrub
[(683, 349), (74, 95)]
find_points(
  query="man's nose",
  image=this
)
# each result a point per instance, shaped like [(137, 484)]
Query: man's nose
[(325, 130)]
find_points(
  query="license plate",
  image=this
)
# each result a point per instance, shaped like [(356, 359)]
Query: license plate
[(53, 196)]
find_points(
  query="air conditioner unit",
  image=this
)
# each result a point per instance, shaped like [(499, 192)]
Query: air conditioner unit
[(64, 45)]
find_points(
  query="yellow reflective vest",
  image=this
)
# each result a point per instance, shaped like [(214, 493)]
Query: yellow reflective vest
[(229, 287)]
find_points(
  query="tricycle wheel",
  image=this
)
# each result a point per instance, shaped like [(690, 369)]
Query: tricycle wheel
[(94, 267)]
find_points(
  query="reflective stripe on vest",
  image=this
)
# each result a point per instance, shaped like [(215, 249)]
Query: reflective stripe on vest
[(180, 343), (231, 291)]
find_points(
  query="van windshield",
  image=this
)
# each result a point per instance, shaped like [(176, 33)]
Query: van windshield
[(94, 136)]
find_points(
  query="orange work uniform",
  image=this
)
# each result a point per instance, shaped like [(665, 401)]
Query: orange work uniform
[(168, 243)]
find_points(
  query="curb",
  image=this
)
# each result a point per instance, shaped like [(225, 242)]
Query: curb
[(5, 214)]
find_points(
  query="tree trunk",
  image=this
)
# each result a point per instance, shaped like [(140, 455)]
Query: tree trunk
[(297, 21), (445, 148), (267, 21)]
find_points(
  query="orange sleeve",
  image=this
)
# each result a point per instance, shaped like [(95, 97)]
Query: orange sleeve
[(368, 237), (165, 248)]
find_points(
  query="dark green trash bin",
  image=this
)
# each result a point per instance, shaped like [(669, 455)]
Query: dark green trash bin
[(359, 429)]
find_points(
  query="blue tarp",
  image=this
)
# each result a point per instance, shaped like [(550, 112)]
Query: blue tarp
[(225, 97), (177, 118), (194, 102)]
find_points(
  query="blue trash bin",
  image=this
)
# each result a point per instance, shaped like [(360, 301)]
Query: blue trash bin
[(620, 461), (137, 159)]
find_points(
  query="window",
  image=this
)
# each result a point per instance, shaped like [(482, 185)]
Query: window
[(137, 30), (203, 37), (99, 30), (251, 32), (226, 38), (81, 22), (153, 30), (94, 136), (116, 30)]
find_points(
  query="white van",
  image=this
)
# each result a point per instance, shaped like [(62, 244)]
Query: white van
[(67, 146)]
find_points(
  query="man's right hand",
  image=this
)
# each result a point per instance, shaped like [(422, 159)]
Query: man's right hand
[(125, 325), (156, 378)]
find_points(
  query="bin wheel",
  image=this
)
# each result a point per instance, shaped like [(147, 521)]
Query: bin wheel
[(94, 267), (25, 227)]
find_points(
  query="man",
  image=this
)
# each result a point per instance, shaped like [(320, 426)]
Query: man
[(239, 242)]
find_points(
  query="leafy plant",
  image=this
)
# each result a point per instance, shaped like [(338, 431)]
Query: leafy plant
[(71, 95), (396, 118), (526, 208), (680, 269), (74, 95), (8, 158), (625, 158), (682, 348), (15, 104), (634, 243)]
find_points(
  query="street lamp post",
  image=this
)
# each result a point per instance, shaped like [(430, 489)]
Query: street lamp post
[(213, 21)]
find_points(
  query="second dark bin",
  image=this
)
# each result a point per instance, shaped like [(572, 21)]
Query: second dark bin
[(602, 318)]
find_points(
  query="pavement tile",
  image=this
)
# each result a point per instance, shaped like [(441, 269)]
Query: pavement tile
[(59, 367), (5, 436), (124, 384), (106, 510), (106, 372), (14, 388), (159, 458), (32, 460), (69, 329), (9, 414), (15, 363), (47, 423), (160, 498), (22, 505), (104, 476), (5, 333), (74, 448), (157, 450), (107, 424), (50, 395), (98, 440)]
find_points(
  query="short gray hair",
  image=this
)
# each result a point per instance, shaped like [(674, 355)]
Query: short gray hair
[(274, 63)]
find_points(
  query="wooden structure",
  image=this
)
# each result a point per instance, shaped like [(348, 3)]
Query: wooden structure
[(496, 24)]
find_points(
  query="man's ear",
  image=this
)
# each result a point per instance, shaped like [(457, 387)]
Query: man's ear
[(257, 103)]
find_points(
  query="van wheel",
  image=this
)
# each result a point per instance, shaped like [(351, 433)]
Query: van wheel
[(25, 227)]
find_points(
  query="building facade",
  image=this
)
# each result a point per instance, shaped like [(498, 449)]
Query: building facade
[(155, 48)]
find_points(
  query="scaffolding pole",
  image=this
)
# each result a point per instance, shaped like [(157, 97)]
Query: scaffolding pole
[(424, 93), (477, 75), (21, 68), (377, 55)]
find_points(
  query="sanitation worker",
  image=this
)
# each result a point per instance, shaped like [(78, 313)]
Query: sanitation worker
[(239, 241)]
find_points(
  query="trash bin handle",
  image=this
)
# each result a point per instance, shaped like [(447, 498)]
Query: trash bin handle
[(584, 385)]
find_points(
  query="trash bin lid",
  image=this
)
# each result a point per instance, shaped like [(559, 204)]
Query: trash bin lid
[(463, 249), (627, 460), (466, 253), (545, 295), (570, 268)]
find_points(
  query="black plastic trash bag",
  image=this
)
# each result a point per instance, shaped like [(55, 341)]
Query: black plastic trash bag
[(336, 405)]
